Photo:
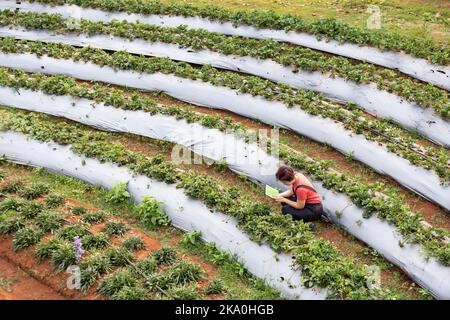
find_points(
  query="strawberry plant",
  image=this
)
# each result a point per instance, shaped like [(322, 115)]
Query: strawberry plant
[(71, 231), (45, 249), (131, 293), (119, 257), (182, 293), (63, 256), (150, 213), (78, 210)]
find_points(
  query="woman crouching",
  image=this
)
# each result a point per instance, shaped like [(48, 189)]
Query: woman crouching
[(301, 200)]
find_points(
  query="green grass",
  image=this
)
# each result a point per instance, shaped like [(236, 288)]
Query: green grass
[(407, 17)]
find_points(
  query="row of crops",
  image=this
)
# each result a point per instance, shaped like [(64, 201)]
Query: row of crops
[(98, 70)]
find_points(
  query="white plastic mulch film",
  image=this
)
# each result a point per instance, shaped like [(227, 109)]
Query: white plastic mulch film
[(416, 67), (377, 102), (244, 158), (186, 213), (422, 181)]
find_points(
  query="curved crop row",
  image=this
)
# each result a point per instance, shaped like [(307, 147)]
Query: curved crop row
[(327, 28), (396, 140), (296, 57), (389, 206), (321, 263)]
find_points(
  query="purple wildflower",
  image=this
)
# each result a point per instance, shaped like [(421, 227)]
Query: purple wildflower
[(78, 248)]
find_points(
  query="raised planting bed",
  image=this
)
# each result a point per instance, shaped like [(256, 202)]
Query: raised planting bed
[(144, 117), (115, 259), (381, 92), (182, 82), (325, 35), (226, 206)]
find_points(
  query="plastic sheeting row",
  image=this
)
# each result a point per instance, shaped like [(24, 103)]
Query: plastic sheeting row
[(377, 102), (243, 158), (416, 67), (186, 213), (424, 182)]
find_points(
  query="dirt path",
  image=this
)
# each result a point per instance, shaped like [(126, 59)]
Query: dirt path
[(17, 284)]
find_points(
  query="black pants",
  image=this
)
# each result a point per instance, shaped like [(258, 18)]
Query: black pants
[(311, 212)]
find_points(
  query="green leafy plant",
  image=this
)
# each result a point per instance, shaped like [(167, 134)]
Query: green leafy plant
[(49, 221), (45, 249), (63, 256), (131, 293), (214, 287), (119, 256), (191, 239), (165, 256), (111, 285), (93, 217), (34, 191), (151, 214), (54, 201), (115, 228), (26, 237), (71, 231), (13, 186), (134, 243), (183, 293), (95, 241), (78, 210), (118, 193)]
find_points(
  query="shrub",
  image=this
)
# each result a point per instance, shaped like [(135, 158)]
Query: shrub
[(134, 244), (214, 287), (26, 237), (115, 228), (34, 191), (150, 213), (118, 193), (164, 256), (114, 283), (49, 221), (11, 204), (93, 217), (54, 201)]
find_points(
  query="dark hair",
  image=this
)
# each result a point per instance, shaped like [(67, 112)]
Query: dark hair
[(285, 173)]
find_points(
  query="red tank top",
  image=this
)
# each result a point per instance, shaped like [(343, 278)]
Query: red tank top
[(305, 192)]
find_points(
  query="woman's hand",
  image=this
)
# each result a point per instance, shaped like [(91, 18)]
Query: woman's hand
[(279, 199)]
